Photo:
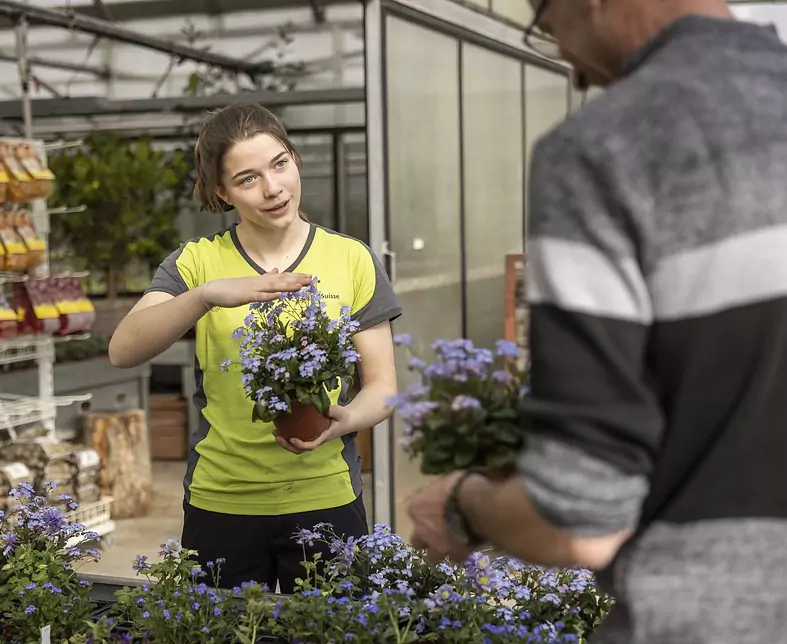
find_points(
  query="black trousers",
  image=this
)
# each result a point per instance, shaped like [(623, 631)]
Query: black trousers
[(262, 548)]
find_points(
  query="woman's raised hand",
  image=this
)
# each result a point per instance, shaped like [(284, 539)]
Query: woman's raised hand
[(239, 291)]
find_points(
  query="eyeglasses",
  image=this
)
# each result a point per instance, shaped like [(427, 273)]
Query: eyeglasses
[(540, 41)]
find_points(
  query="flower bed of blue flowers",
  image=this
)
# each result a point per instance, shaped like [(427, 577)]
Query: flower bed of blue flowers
[(373, 590)]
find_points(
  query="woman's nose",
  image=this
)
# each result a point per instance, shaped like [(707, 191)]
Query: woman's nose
[(270, 189)]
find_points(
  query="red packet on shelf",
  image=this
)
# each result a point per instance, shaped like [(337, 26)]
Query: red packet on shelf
[(37, 310), (77, 314), (8, 319)]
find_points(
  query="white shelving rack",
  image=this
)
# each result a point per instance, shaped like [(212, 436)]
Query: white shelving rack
[(17, 411)]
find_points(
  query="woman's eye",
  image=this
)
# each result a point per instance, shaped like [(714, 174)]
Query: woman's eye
[(248, 179), (281, 163)]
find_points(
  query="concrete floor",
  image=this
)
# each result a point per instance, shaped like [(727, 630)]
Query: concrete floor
[(144, 535)]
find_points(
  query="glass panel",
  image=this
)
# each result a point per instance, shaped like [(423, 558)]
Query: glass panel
[(317, 176), (493, 184), (354, 220), (424, 192), (517, 10), (546, 104)]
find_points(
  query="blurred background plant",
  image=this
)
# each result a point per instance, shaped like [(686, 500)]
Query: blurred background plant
[(132, 194)]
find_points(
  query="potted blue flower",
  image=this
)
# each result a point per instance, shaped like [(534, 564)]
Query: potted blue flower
[(39, 586), (292, 354), (462, 410)]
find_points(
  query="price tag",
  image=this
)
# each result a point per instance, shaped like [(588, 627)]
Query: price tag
[(46, 635), (88, 458)]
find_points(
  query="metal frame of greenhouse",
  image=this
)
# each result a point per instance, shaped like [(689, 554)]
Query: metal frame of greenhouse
[(468, 22)]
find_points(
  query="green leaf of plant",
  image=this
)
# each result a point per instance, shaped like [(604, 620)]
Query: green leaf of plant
[(325, 402)]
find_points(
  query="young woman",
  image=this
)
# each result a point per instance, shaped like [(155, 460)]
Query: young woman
[(246, 490)]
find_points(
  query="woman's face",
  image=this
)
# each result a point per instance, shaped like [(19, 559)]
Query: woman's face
[(261, 180)]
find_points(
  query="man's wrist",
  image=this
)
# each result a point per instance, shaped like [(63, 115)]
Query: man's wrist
[(459, 508), (474, 487)]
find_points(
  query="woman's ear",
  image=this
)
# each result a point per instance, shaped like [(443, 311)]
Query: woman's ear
[(221, 193)]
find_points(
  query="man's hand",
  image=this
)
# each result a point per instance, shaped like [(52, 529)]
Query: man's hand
[(430, 532), (342, 422)]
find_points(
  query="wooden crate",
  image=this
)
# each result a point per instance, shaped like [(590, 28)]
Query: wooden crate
[(169, 427), (364, 442)]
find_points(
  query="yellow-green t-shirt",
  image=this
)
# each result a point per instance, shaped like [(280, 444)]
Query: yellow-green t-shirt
[(235, 466)]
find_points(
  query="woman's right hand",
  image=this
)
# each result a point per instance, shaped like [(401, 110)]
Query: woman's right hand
[(239, 291)]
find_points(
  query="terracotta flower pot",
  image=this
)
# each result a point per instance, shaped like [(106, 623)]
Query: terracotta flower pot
[(303, 422)]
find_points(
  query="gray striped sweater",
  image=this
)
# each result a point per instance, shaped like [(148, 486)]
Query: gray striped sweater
[(658, 290)]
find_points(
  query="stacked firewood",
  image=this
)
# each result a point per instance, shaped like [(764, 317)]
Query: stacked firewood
[(74, 471), (121, 439)]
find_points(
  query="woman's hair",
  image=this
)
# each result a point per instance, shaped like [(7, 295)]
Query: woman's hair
[(221, 130)]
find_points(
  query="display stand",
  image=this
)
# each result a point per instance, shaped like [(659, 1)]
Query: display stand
[(18, 412)]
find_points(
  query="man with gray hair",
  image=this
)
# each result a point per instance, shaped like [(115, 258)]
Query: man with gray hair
[(657, 250)]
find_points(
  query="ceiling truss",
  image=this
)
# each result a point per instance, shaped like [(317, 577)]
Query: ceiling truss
[(72, 20)]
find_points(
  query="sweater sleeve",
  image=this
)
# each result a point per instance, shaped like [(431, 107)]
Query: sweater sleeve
[(594, 425)]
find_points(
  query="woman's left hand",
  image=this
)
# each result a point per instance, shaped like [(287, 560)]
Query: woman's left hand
[(341, 424)]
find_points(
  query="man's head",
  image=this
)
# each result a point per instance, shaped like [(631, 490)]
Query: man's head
[(598, 36)]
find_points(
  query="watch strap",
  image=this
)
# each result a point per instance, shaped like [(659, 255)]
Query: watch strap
[(455, 517)]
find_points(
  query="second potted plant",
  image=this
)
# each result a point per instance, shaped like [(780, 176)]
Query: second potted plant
[(292, 355), (461, 412)]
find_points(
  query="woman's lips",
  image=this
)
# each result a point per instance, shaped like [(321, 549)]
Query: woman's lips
[(278, 210)]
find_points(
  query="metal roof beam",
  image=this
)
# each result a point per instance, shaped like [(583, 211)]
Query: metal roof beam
[(101, 28), (131, 10), (97, 106)]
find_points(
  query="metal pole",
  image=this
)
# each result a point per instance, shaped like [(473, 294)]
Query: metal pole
[(24, 76), (383, 473), (79, 22), (35, 61)]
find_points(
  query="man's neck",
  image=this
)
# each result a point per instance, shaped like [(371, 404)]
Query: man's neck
[(662, 14)]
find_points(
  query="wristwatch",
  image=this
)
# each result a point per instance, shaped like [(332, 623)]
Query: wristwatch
[(455, 519)]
